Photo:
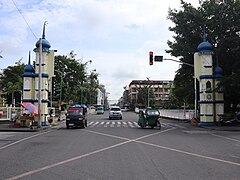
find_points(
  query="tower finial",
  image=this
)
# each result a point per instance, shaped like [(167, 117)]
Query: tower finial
[(43, 35), (204, 35), (29, 58)]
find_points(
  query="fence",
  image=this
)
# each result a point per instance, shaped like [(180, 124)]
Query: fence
[(177, 114), (9, 113)]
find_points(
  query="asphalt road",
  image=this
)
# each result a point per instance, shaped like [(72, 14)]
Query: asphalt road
[(119, 149)]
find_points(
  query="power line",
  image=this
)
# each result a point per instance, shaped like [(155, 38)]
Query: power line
[(24, 19)]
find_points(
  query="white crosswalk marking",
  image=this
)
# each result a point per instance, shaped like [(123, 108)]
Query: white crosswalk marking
[(117, 124), (130, 124), (96, 123)]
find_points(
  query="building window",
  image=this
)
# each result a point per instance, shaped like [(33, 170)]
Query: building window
[(27, 85), (208, 86)]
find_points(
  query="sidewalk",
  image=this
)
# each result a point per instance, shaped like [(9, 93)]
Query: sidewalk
[(8, 126), (222, 128)]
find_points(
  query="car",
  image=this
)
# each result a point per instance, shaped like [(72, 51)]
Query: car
[(76, 117), (100, 110), (115, 112)]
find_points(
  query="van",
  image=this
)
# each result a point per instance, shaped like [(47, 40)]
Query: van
[(100, 110)]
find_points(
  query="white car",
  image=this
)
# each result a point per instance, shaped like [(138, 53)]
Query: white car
[(115, 112)]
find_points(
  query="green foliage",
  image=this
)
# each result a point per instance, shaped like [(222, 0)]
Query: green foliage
[(11, 82), (221, 24), (143, 96), (77, 85)]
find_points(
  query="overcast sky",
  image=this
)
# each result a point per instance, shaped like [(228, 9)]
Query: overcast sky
[(116, 35)]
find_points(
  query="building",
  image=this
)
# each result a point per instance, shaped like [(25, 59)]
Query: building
[(211, 98), (160, 88), (32, 80)]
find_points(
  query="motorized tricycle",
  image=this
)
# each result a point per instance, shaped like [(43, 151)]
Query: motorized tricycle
[(149, 117), (76, 117)]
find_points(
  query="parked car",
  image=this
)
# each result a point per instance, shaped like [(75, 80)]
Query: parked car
[(76, 117), (115, 112)]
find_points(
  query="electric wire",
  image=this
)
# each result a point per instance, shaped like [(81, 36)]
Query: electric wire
[(24, 19)]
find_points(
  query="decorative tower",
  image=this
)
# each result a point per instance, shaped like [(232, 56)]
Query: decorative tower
[(28, 82), (44, 76), (211, 99), (218, 93)]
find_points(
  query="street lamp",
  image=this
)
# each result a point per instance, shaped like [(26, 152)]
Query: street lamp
[(62, 75)]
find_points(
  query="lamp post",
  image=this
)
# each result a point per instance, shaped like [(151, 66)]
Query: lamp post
[(62, 75)]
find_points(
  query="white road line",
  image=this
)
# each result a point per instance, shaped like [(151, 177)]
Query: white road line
[(90, 123), (189, 153), (24, 139), (102, 123), (130, 124), (232, 139), (81, 156), (94, 124)]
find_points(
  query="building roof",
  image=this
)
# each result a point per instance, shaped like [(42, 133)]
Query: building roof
[(205, 46), (45, 44), (152, 82)]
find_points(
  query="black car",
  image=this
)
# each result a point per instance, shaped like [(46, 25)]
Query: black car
[(76, 117)]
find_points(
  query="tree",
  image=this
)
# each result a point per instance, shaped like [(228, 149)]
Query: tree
[(220, 21), (11, 82), (77, 85), (143, 96)]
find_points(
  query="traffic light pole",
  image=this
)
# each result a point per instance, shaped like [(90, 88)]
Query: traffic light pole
[(195, 82)]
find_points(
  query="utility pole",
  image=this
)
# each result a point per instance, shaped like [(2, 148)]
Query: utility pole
[(148, 93), (40, 83)]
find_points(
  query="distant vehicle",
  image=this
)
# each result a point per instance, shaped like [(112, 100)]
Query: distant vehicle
[(136, 110), (115, 112), (76, 117), (100, 110), (149, 117)]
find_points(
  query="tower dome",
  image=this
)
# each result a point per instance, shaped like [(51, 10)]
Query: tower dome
[(45, 44), (218, 72), (205, 46), (28, 69)]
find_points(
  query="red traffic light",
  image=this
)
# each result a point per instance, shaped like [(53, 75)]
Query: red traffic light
[(150, 58)]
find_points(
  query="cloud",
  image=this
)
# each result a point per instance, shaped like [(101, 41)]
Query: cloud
[(116, 34)]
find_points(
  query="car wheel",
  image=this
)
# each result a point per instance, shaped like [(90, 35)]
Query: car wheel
[(67, 126), (121, 117), (110, 118)]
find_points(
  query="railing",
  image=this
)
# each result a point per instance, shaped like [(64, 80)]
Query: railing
[(8, 113), (177, 114)]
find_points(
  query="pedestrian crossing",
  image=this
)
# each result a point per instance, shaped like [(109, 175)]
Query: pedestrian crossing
[(116, 124)]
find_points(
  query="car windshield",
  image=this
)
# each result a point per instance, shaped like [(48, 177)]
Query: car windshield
[(75, 111), (115, 109), (153, 112)]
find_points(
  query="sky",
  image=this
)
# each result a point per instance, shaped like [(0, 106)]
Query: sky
[(116, 35)]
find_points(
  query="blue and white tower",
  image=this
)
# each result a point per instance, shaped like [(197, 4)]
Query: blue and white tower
[(28, 82), (47, 66), (211, 100)]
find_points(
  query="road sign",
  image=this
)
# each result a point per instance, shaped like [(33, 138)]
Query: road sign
[(158, 58)]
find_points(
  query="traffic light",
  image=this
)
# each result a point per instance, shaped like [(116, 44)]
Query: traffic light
[(150, 58)]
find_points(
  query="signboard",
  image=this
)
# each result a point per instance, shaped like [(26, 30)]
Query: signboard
[(158, 58)]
